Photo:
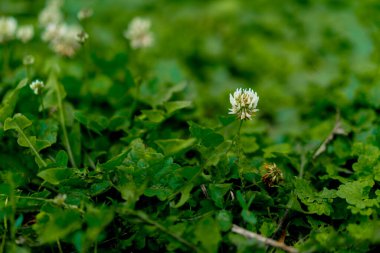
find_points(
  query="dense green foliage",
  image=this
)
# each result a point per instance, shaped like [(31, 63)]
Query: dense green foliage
[(133, 150)]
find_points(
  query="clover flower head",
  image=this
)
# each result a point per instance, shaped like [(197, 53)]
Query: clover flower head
[(273, 175), (139, 33), (244, 103), (8, 27), (51, 14), (63, 38), (37, 86), (25, 33)]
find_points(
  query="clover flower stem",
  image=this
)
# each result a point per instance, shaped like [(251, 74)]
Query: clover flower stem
[(59, 246), (6, 57), (42, 105), (63, 125)]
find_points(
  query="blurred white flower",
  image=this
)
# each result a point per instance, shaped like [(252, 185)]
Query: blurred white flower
[(8, 27), (51, 14), (37, 86), (25, 33), (244, 103), (63, 38), (139, 33), (85, 13)]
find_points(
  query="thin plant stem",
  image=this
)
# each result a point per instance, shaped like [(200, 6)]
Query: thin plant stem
[(42, 106), (147, 220), (63, 125), (59, 246), (32, 147)]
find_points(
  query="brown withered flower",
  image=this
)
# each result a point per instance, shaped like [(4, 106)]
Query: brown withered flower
[(273, 175)]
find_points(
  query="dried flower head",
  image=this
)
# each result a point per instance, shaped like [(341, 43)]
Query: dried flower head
[(8, 27), (273, 175), (37, 86), (139, 33), (25, 33), (244, 103)]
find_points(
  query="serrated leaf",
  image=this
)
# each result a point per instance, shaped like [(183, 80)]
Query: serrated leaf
[(356, 193)]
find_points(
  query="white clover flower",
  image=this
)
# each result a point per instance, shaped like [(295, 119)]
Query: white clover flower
[(8, 27), (25, 33), (244, 103), (37, 86), (51, 14), (63, 38), (139, 33)]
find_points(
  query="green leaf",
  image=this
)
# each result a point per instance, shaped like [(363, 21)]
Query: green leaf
[(100, 187), (185, 195), (18, 123), (155, 116), (96, 123), (10, 100), (224, 219), (271, 151), (56, 175), (173, 106), (368, 156), (207, 136), (174, 146), (56, 225), (356, 193), (114, 161), (207, 232), (217, 192)]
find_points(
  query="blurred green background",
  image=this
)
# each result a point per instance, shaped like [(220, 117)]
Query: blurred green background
[(306, 59)]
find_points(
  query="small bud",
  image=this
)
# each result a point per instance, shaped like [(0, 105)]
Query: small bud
[(82, 37), (28, 60), (37, 86), (85, 13), (60, 199)]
